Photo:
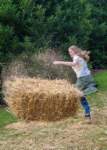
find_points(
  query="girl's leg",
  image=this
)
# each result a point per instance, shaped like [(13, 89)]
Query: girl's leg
[(86, 107)]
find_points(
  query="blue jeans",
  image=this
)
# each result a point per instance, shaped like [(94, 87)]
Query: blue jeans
[(86, 106)]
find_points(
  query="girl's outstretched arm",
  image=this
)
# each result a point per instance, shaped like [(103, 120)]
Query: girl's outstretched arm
[(64, 63)]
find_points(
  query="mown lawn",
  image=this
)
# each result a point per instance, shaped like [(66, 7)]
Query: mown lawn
[(68, 134)]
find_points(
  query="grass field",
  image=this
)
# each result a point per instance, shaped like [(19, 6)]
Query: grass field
[(68, 134)]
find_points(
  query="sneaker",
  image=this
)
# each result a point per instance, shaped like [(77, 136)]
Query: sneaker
[(88, 119)]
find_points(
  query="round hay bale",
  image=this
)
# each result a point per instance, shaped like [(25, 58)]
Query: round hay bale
[(38, 99)]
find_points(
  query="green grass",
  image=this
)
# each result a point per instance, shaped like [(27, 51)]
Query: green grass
[(5, 117), (101, 79), (99, 99)]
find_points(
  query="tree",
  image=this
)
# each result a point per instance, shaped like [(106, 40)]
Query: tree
[(98, 37), (21, 22), (27, 26)]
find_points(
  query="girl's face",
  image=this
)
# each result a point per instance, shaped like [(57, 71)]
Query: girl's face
[(71, 52)]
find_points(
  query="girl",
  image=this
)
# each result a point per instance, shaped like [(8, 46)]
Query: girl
[(85, 80)]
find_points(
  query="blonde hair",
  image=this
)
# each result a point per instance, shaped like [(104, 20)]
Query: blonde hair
[(82, 53)]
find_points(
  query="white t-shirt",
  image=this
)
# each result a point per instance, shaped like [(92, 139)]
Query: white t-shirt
[(81, 69)]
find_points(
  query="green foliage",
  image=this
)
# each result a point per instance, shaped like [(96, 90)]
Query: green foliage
[(71, 22), (31, 25), (98, 37), (22, 28)]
